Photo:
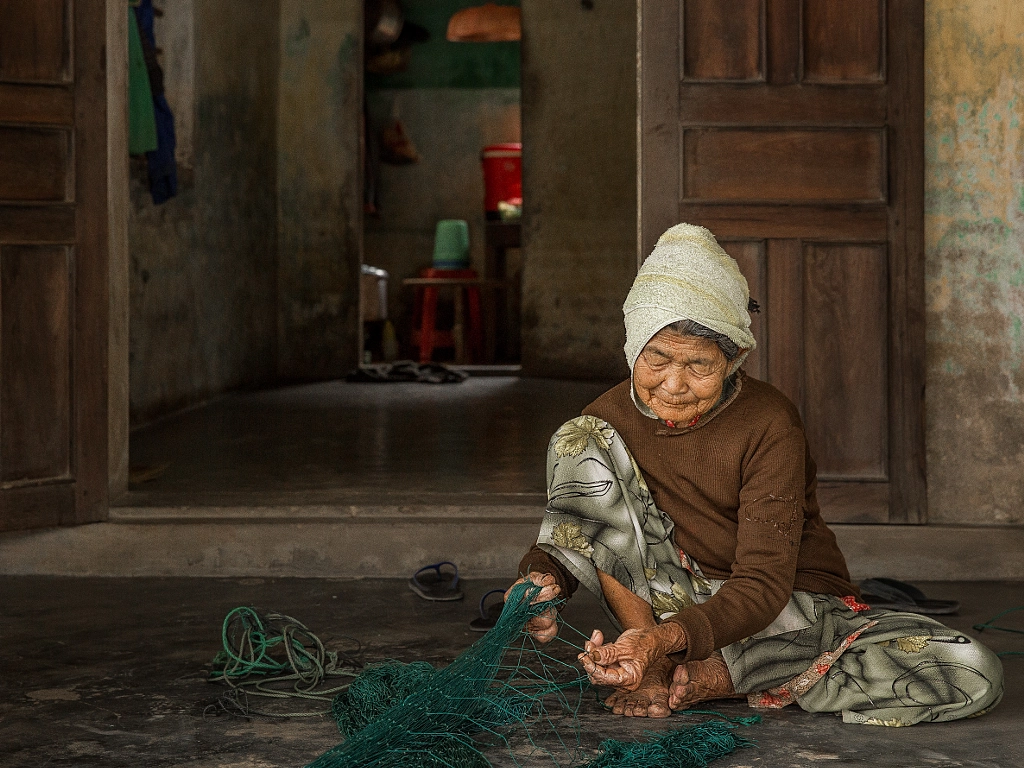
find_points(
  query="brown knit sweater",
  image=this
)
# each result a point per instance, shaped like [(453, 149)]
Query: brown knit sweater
[(740, 486)]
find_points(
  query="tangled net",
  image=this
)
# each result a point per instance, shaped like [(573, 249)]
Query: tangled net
[(496, 693)]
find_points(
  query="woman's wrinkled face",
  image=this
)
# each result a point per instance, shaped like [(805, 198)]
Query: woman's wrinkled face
[(680, 377)]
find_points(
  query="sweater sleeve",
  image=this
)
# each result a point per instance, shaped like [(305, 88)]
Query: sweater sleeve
[(769, 525), (539, 561)]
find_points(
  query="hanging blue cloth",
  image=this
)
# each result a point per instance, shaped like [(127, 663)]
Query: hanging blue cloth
[(163, 170)]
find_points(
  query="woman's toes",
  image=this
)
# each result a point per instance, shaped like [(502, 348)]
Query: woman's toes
[(659, 706), (616, 702), (680, 675), (680, 689)]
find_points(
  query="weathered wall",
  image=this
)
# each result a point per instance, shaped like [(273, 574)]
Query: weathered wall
[(319, 205), (579, 185), (203, 293), (448, 126), (974, 227)]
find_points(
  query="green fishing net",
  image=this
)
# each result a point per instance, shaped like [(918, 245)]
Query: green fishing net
[(504, 691)]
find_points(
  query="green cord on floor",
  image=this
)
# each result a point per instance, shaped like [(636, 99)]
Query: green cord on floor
[(990, 624), (274, 656)]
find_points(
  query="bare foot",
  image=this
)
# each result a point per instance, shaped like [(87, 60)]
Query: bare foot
[(697, 681), (650, 699)]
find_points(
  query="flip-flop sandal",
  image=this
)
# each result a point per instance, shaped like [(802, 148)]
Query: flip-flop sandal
[(488, 613), (893, 595), (430, 583)]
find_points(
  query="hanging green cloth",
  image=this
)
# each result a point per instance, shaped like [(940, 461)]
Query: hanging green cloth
[(141, 119)]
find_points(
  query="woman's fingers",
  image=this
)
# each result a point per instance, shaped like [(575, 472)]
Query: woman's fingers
[(613, 675), (604, 654), (544, 628), (509, 590), (549, 587)]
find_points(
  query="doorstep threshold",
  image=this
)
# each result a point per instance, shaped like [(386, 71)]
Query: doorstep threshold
[(327, 507)]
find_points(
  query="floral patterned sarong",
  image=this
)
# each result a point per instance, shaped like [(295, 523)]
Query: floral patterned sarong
[(875, 667)]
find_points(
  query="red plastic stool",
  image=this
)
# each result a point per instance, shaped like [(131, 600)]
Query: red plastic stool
[(467, 286)]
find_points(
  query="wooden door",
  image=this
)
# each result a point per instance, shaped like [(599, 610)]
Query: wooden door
[(53, 256), (794, 131)]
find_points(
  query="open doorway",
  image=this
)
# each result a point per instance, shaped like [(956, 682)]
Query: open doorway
[(247, 282), (245, 287), (441, 115)]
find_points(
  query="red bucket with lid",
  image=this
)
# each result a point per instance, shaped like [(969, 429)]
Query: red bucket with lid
[(503, 175)]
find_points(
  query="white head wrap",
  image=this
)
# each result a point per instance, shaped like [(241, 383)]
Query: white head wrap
[(688, 276)]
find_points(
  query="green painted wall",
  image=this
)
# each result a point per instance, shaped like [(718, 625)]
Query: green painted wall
[(438, 63)]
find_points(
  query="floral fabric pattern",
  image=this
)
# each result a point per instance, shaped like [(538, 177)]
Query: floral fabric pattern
[(573, 437)]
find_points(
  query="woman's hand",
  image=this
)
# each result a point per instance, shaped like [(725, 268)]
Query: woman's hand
[(544, 627), (624, 663)]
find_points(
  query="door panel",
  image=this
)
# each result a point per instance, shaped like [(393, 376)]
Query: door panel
[(705, 22), (793, 130), (37, 165), (53, 263), (35, 336), (859, 25), (783, 165), (845, 368), (35, 41)]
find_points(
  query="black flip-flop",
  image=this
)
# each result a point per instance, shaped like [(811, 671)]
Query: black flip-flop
[(488, 613), (430, 583), (893, 595)]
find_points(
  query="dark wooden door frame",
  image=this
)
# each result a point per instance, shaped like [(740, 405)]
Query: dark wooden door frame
[(659, 147), (72, 104)]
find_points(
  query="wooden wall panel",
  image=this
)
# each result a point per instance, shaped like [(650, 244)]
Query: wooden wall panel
[(784, 315), (36, 165), (36, 104), (843, 41), (784, 165), (35, 348), (846, 331), (723, 41), (750, 255), (818, 106), (35, 40)]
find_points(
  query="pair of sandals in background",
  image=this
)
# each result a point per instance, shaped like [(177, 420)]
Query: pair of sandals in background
[(439, 582)]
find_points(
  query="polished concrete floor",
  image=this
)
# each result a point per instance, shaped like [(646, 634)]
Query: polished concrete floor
[(112, 672), (320, 443)]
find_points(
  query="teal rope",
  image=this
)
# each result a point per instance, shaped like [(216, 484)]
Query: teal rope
[(300, 670), (991, 624)]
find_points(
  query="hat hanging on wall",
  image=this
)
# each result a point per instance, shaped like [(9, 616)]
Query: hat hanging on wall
[(488, 23)]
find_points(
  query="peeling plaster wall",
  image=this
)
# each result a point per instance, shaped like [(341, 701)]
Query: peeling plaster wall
[(974, 224), (202, 265), (579, 185), (319, 207)]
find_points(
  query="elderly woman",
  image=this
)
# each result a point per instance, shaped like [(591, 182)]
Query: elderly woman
[(684, 499)]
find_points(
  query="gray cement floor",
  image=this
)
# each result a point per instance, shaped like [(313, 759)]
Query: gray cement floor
[(321, 443), (111, 672)]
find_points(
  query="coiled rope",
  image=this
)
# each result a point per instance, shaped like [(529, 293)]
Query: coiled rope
[(274, 656)]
